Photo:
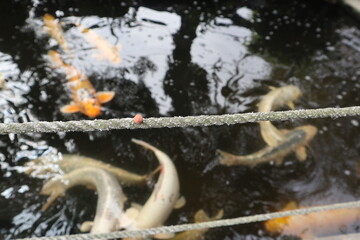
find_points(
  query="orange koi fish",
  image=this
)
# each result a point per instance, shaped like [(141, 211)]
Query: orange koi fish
[(107, 51), (315, 224), (85, 99), (53, 27)]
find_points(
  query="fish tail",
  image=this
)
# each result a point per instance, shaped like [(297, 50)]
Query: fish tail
[(144, 144), (228, 159)]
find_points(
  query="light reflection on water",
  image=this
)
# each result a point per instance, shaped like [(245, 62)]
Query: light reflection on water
[(220, 48)]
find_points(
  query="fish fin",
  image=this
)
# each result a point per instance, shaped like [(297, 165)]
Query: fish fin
[(180, 202), (164, 235), (226, 158), (291, 105), (70, 108), (151, 175), (201, 216), (86, 226), (301, 153), (118, 47), (219, 215), (105, 96), (55, 193)]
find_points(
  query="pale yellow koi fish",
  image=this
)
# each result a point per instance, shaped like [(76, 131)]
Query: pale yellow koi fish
[(106, 50), (313, 225), (200, 216), (164, 198), (53, 27), (294, 139), (111, 199), (275, 99), (70, 162)]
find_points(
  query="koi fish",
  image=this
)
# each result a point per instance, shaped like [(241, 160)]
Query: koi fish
[(111, 199), (71, 162), (107, 51), (163, 199), (295, 138), (276, 98), (85, 99), (53, 27), (314, 224), (200, 216)]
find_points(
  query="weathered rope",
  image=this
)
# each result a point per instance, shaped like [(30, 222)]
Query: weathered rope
[(162, 122), (210, 224)]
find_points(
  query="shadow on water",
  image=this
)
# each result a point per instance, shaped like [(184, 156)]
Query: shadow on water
[(183, 58)]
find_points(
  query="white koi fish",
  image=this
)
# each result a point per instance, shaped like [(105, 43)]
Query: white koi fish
[(70, 162), (316, 224), (109, 210), (164, 198), (106, 50)]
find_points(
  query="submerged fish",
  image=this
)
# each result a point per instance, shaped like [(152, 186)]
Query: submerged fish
[(71, 162), (53, 27), (294, 139), (106, 50), (111, 199), (315, 224), (85, 99), (200, 216), (276, 98), (164, 198)]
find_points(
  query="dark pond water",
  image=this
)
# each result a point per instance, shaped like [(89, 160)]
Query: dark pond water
[(182, 58)]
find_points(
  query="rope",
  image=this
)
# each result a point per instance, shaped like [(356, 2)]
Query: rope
[(193, 226), (190, 121)]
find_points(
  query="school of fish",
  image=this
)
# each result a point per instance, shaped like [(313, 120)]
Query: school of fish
[(107, 180)]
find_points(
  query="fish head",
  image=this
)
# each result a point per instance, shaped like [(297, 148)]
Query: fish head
[(296, 92), (91, 108), (290, 93)]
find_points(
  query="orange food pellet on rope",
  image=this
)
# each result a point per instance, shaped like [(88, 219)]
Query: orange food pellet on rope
[(138, 119)]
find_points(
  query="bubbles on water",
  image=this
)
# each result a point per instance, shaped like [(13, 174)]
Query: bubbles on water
[(355, 123), (23, 188), (70, 145)]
